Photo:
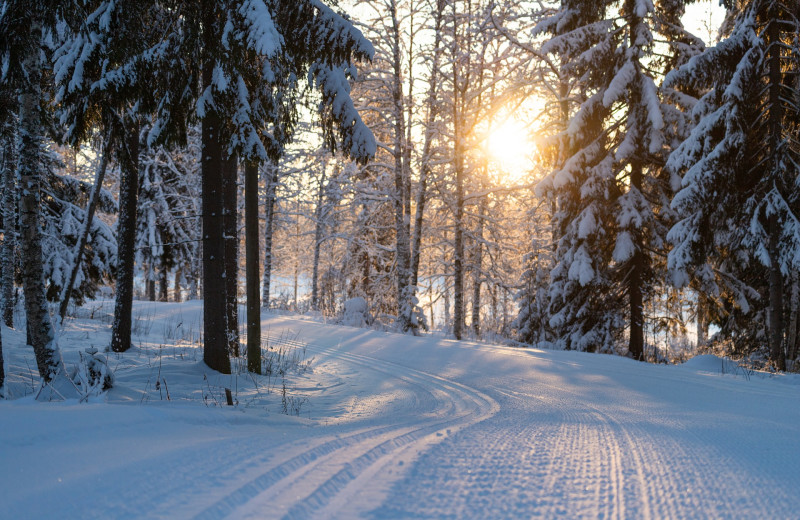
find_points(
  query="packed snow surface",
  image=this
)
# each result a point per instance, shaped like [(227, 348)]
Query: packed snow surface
[(393, 426)]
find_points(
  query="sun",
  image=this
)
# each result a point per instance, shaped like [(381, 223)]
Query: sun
[(511, 150)]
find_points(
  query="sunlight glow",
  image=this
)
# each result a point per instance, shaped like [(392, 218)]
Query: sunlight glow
[(511, 150)]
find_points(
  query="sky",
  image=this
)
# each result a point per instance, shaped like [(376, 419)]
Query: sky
[(703, 19)]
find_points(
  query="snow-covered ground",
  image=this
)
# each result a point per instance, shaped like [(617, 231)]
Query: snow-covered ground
[(393, 426)]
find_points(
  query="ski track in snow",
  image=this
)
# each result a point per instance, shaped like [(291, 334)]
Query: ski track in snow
[(423, 428), (336, 472)]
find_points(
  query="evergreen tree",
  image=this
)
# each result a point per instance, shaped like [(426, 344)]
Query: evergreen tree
[(24, 27), (609, 187), (737, 170), (168, 231)]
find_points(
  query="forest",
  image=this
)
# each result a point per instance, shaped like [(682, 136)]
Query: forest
[(577, 175)]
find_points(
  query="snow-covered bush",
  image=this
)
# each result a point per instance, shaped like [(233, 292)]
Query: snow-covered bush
[(356, 313)]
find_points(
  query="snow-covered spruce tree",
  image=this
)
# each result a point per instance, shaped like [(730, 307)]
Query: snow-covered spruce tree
[(88, 224), (609, 190), (24, 27), (368, 262), (64, 208), (168, 231), (737, 170)]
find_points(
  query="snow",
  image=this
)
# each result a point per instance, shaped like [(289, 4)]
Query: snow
[(393, 426)]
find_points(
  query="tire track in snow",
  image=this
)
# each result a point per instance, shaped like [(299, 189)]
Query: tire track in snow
[(334, 470)]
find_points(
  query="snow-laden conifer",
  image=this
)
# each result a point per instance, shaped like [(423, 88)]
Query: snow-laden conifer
[(735, 174)]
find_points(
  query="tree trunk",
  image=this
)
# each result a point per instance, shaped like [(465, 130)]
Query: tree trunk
[(425, 168), (636, 340), (10, 229), (87, 226), (2, 369), (776, 325), (296, 274), (230, 211), (775, 296), (251, 269), (794, 308), (151, 285), (163, 285), (176, 286), (215, 324), (48, 356), (272, 186), (477, 273), (458, 253), (318, 229), (195, 273), (702, 321), (126, 236), (402, 246)]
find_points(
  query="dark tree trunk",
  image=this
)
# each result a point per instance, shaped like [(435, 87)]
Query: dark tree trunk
[(794, 308), (151, 286), (272, 186), (702, 321), (215, 324), (7, 263), (636, 340), (252, 275), (2, 369), (230, 211), (48, 357), (776, 325), (126, 236), (87, 225), (775, 297)]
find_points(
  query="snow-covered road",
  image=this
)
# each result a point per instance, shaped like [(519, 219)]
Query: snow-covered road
[(401, 427)]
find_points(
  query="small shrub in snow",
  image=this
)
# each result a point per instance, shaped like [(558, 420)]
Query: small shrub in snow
[(92, 375)]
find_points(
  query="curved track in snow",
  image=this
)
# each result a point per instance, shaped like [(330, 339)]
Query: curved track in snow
[(345, 476)]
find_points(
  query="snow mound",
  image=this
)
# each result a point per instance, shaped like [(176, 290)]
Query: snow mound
[(706, 363), (355, 313), (709, 363)]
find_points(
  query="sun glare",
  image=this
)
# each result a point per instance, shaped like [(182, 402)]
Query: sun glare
[(511, 150)]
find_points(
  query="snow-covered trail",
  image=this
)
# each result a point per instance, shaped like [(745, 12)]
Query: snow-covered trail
[(402, 427), (577, 435)]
